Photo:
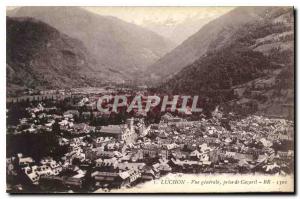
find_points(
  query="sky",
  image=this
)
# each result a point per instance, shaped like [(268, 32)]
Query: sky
[(167, 15)]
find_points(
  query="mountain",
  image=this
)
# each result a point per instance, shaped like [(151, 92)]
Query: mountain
[(115, 44), (179, 30), (38, 55), (176, 31), (250, 65), (209, 36)]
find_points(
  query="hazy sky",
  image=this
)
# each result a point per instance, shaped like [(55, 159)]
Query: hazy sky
[(139, 15), (169, 15), (174, 23)]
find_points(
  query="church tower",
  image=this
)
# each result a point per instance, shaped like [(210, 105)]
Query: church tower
[(130, 124)]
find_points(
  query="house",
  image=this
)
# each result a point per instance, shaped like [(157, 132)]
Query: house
[(99, 141), (112, 146), (105, 154), (31, 175), (195, 154), (71, 114), (185, 165), (130, 166), (163, 166), (83, 128), (24, 161), (285, 154), (149, 174), (115, 179), (106, 179), (169, 118), (91, 154), (42, 170), (130, 175), (54, 166), (150, 150), (107, 164), (73, 182)]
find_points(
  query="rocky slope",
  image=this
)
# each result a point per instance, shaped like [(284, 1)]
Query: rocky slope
[(115, 44), (38, 55)]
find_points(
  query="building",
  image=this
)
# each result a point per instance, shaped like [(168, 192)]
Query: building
[(124, 133), (31, 175), (115, 179)]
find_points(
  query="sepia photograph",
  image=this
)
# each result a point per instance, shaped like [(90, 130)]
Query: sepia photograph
[(135, 99)]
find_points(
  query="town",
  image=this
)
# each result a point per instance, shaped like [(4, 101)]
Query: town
[(59, 141)]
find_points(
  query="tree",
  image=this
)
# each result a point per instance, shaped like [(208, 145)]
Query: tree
[(56, 128)]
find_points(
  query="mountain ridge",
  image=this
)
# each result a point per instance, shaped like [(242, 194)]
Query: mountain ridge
[(114, 43), (199, 43), (252, 67), (38, 55)]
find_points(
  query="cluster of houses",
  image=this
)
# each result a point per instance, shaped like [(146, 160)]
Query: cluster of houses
[(116, 156)]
